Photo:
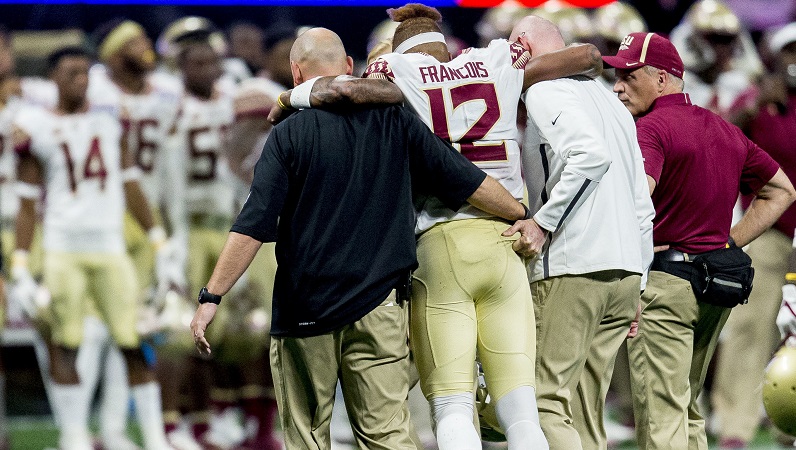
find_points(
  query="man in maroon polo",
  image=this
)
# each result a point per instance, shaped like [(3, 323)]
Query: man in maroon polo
[(696, 164)]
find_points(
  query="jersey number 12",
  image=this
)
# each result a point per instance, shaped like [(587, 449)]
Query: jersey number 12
[(460, 95)]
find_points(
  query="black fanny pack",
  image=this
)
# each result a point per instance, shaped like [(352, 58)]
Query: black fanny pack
[(722, 277)]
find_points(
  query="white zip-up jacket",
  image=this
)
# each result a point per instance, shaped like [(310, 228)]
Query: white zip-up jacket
[(586, 182)]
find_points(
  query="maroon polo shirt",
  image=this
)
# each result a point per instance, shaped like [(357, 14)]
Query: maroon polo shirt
[(776, 134), (700, 163)]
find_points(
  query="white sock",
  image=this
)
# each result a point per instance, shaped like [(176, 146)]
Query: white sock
[(90, 353), (518, 415), (453, 415), (115, 401), (149, 412), (72, 405)]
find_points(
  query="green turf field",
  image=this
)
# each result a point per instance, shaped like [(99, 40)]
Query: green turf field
[(40, 433)]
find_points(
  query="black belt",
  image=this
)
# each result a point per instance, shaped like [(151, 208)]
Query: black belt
[(675, 256)]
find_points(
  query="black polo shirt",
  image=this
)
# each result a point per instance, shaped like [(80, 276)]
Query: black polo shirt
[(334, 192)]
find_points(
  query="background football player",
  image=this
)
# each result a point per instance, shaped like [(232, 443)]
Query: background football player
[(76, 153)]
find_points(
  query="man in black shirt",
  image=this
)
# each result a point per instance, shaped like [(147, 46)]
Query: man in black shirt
[(334, 192)]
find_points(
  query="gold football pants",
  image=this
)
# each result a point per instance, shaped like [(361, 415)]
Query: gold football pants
[(471, 298)]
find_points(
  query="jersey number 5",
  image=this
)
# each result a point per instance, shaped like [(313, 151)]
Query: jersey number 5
[(94, 167), (460, 95)]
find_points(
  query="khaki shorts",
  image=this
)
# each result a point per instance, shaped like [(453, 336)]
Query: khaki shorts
[(471, 296), (108, 279)]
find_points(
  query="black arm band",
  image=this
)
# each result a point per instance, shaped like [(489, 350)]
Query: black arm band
[(207, 297)]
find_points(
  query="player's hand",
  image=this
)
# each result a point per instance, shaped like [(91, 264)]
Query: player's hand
[(278, 114), (786, 319), (170, 262), (633, 332), (23, 291), (532, 237), (203, 317)]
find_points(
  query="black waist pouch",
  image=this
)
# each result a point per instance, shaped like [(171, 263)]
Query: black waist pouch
[(722, 277)]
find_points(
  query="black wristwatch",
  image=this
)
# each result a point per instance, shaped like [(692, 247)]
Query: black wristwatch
[(206, 297), (527, 212)]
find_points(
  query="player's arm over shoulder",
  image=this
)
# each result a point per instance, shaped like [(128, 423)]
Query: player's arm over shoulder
[(579, 59), (375, 89), (358, 91)]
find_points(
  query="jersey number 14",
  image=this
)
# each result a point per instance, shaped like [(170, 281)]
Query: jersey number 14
[(94, 166)]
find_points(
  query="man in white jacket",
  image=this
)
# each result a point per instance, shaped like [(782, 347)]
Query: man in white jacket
[(591, 239)]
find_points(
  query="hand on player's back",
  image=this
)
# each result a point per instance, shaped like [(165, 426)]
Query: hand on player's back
[(532, 237)]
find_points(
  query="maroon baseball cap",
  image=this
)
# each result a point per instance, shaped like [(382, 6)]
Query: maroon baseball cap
[(647, 49)]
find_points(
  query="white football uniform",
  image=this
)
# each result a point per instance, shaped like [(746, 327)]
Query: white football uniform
[(81, 159), (254, 98), (199, 130), (150, 118), (9, 201), (35, 91), (470, 101), (39, 91)]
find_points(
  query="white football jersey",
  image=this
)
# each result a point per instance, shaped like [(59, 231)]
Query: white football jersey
[(34, 91), (254, 98), (9, 201), (39, 91), (150, 118), (81, 159), (199, 131), (470, 101)]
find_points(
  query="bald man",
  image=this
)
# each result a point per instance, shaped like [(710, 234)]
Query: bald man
[(343, 219), (590, 240)]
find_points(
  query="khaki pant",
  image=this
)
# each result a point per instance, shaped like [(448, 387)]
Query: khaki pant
[(749, 339), (371, 359), (109, 279), (471, 293), (669, 361), (581, 322)]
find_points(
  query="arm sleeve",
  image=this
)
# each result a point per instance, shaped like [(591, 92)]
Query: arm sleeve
[(173, 160), (437, 168), (260, 214), (758, 169), (651, 149), (562, 120)]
